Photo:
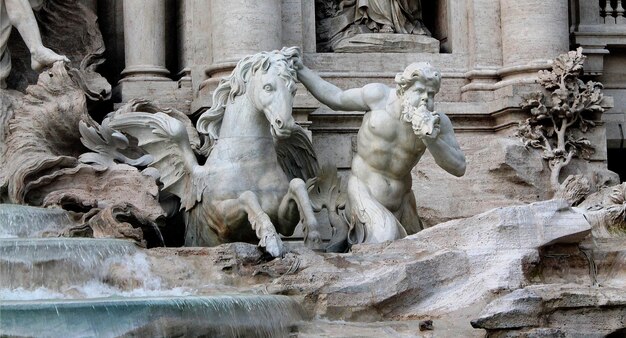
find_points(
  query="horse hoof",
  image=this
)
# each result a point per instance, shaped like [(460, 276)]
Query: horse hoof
[(273, 245), (313, 240)]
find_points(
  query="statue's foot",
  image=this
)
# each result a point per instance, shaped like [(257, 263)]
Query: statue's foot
[(420, 29), (43, 57), (272, 244), (3, 84), (386, 29)]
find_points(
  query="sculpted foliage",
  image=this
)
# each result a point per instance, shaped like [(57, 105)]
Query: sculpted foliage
[(561, 113)]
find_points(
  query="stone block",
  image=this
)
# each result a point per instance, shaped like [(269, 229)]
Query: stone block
[(388, 43), (564, 310), (165, 93)]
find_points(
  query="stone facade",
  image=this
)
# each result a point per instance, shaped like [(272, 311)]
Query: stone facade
[(522, 269), (489, 56)]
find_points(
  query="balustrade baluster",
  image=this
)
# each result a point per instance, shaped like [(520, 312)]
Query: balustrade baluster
[(608, 13), (619, 17)]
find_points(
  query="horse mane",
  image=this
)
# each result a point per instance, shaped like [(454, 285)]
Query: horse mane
[(235, 84)]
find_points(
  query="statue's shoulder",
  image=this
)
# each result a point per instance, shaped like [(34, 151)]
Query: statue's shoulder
[(376, 93)]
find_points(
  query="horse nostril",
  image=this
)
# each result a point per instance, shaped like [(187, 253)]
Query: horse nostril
[(279, 123)]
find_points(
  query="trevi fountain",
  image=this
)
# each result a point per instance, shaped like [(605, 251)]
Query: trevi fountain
[(312, 168)]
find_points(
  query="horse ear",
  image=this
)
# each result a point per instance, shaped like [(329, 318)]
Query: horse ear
[(266, 64)]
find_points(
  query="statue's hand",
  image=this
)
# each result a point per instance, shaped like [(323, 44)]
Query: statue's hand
[(425, 124), (297, 64)]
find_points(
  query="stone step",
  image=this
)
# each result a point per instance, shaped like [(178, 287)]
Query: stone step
[(212, 316)]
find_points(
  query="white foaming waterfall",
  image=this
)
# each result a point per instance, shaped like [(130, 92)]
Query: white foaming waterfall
[(18, 221), (105, 288)]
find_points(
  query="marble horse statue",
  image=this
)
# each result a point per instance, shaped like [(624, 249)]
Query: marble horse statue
[(252, 185)]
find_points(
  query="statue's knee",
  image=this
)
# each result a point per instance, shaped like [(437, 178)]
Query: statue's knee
[(297, 184), (247, 196)]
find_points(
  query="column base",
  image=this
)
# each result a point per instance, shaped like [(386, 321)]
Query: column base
[(523, 73), (481, 84), (145, 73)]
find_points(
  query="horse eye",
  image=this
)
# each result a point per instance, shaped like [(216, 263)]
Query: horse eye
[(267, 88)]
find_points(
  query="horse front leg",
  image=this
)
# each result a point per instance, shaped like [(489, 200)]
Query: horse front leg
[(296, 206), (248, 203)]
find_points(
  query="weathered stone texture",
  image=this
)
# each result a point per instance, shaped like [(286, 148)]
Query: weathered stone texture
[(447, 273)]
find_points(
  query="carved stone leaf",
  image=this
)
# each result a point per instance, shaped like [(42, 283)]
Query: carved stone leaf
[(583, 146), (584, 127), (533, 99), (560, 95), (548, 79), (539, 112), (532, 136)]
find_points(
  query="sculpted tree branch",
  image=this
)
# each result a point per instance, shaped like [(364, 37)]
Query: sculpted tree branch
[(566, 103)]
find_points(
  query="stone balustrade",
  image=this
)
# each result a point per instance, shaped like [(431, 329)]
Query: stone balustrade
[(612, 12), (598, 26)]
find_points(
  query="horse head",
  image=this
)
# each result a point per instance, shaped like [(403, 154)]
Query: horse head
[(271, 90), (268, 79)]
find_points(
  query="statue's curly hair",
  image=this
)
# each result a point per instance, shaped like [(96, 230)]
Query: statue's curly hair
[(422, 71)]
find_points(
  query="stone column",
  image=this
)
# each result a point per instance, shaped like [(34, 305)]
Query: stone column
[(534, 32), (184, 31), (147, 25), (484, 48), (144, 40), (238, 28)]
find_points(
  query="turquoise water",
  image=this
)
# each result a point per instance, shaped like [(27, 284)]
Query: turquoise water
[(214, 316)]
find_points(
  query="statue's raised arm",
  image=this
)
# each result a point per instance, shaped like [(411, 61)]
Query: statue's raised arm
[(366, 98)]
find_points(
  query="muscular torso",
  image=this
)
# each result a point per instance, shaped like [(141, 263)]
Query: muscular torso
[(387, 151)]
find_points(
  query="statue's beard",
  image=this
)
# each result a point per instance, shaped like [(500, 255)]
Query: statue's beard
[(421, 119), (408, 111)]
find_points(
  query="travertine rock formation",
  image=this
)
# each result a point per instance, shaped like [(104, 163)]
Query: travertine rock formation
[(557, 310), (40, 149), (447, 273)]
